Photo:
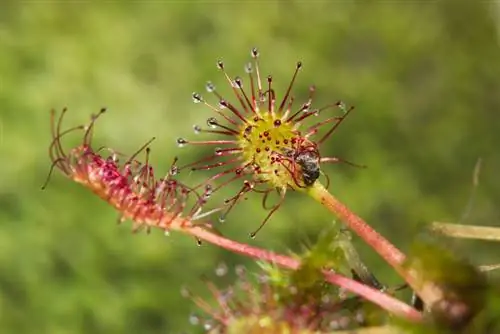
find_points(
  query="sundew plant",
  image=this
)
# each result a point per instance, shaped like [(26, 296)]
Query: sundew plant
[(268, 143)]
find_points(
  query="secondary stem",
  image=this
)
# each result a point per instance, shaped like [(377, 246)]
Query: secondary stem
[(377, 297), (381, 245), (429, 292)]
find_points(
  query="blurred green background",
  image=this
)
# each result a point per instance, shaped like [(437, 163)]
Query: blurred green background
[(424, 77)]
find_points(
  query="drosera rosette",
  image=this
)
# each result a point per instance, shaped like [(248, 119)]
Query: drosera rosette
[(130, 186), (283, 301), (267, 145)]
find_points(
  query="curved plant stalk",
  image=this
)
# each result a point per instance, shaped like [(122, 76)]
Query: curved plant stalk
[(377, 297), (429, 292), (382, 246), (466, 231), (489, 267)]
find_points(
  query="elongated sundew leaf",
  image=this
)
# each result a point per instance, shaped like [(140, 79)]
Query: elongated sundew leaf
[(467, 231), (489, 267)]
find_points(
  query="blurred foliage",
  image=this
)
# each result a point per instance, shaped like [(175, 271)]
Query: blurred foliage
[(424, 76)]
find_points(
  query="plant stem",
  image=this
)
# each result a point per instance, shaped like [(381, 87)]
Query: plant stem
[(467, 231), (377, 297), (429, 292), (381, 245)]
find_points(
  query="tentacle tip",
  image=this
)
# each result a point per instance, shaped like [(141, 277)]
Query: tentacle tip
[(255, 52)]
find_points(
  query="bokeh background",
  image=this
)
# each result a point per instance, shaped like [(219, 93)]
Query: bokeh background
[(424, 77)]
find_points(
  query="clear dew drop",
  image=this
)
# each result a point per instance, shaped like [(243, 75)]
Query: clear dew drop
[(185, 292), (208, 325), (220, 64), (210, 87), (181, 142), (218, 151), (166, 233), (334, 325), (255, 52), (196, 129), (262, 279), (174, 170), (360, 317), (306, 107), (240, 270), (221, 269), (262, 97), (222, 218), (194, 319), (342, 106), (344, 322), (212, 122), (197, 98), (237, 82), (248, 68), (222, 104), (208, 191)]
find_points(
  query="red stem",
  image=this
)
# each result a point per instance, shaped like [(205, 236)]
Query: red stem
[(429, 292), (377, 297), (381, 245)]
